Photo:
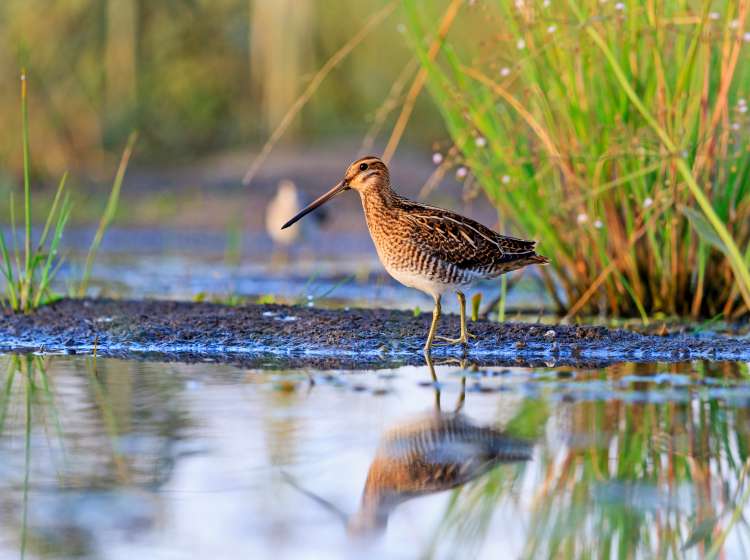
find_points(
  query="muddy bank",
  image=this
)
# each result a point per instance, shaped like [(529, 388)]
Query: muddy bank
[(287, 336)]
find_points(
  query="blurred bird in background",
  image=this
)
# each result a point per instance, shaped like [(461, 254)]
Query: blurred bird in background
[(288, 201)]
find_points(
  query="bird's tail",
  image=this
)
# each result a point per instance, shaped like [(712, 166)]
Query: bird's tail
[(519, 261), (538, 259)]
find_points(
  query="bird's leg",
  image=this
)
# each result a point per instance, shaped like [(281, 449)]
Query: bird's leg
[(433, 326), (465, 334), (433, 375), (461, 396)]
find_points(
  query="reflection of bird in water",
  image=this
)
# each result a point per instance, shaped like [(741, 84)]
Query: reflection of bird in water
[(288, 200), (430, 454), (435, 452), (424, 247)]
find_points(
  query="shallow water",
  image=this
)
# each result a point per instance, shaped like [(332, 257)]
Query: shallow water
[(115, 459), (326, 269)]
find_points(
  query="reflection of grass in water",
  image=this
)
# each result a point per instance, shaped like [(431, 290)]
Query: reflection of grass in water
[(592, 502), (27, 458), (109, 419), (470, 509), (29, 373), (639, 479), (469, 512), (112, 447), (37, 389), (7, 388), (32, 370)]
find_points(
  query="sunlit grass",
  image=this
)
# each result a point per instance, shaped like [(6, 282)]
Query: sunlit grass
[(616, 134)]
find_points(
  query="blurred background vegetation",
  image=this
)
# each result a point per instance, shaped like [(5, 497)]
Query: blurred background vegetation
[(194, 77)]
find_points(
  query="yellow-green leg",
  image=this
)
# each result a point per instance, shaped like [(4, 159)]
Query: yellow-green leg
[(461, 396), (433, 375), (436, 385), (465, 334), (433, 326)]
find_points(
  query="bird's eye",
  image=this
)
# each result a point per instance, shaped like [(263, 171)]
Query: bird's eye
[(363, 167)]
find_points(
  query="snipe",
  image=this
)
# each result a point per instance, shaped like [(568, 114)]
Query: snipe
[(430, 453), (424, 247)]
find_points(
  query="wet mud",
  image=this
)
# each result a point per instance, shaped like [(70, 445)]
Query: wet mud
[(293, 336)]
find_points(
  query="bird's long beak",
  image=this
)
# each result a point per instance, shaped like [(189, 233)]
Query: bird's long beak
[(340, 187)]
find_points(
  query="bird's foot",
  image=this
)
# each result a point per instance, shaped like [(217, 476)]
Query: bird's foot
[(463, 339), (462, 363), (445, 341)]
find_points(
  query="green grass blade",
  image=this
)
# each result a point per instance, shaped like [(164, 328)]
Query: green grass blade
[(109, 214), (14, 237), (52, 211), (740, 269), (47, 274), (10, 287), (26, 169), (703, 228)]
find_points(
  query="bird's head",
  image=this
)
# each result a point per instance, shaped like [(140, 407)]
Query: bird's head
[(363, 175), (366, 173)]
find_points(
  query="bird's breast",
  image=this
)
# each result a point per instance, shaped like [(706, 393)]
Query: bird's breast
[(407, 259)]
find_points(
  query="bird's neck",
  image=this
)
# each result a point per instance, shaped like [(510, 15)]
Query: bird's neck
[(376, 506), (377, 200)]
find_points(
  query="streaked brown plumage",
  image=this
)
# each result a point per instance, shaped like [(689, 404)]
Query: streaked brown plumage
[(435, 453), (425, 247)]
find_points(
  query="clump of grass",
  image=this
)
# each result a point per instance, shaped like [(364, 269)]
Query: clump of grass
[(27, 279), (616, 134), (29, 271)]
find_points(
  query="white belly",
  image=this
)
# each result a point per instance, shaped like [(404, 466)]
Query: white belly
[(421, 283)]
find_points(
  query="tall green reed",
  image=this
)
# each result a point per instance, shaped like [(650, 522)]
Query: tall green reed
[(616, 133)]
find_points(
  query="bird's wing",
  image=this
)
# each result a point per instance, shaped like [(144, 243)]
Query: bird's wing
[(466, 243)]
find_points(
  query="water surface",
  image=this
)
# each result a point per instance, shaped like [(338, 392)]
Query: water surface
[(103, 458), (325, 268)]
